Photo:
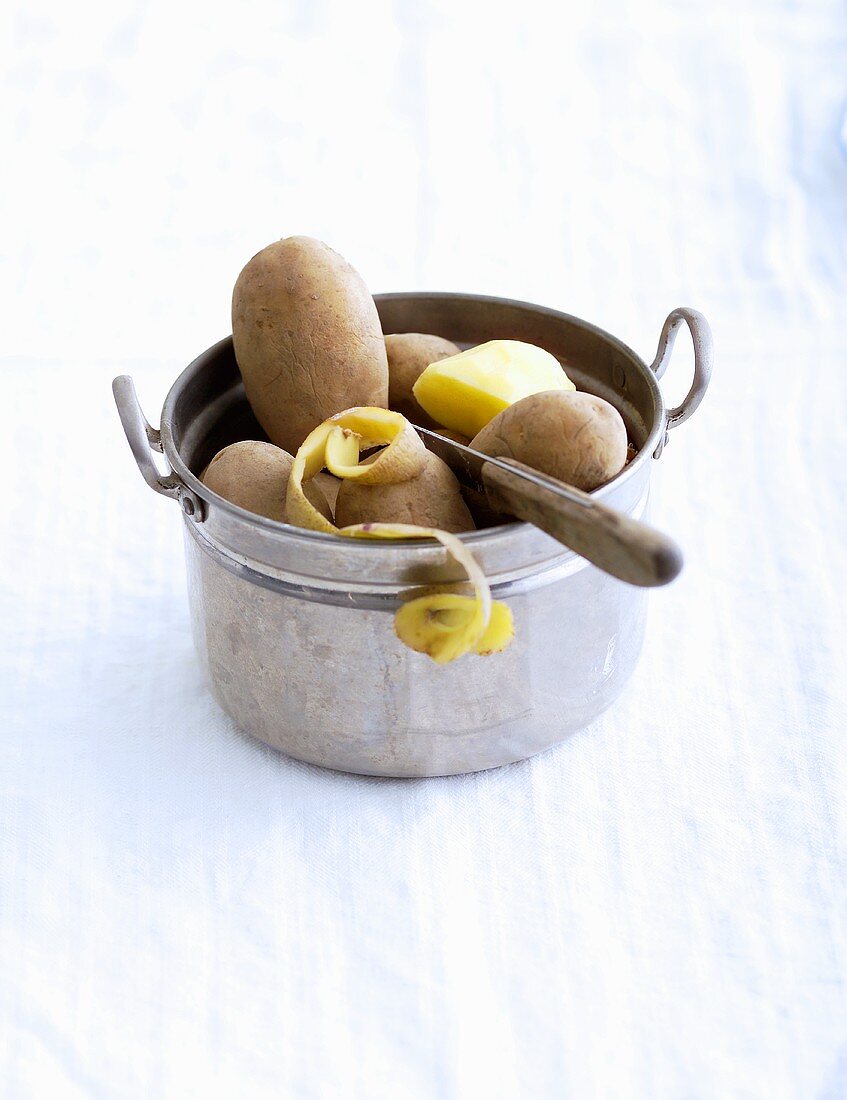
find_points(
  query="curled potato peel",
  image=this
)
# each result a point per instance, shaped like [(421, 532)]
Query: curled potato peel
[(336, 444), (361, 429), (443, 625)]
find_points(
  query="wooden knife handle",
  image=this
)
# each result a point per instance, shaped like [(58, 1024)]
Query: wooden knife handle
[(609, 539)]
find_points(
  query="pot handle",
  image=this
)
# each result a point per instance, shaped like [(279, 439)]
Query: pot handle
[(144, 438), (701, 336)]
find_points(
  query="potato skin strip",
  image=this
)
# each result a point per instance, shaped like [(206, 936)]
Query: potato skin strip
[(442, 625)]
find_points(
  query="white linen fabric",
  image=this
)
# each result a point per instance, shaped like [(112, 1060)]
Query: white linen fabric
[(657, 907)]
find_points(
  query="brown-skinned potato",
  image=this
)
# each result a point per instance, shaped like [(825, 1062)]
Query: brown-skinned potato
[(575, 437), (432, 499), (328, 485), (307, 338), (254, 476), (409, 354)]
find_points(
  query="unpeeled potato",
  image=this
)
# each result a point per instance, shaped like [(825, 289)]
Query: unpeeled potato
[(575, 437), (254, 475), (307, 338), (328, 484), (409, 354), (432, 499)]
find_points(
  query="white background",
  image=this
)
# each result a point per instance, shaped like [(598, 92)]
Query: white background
[(654, 909)]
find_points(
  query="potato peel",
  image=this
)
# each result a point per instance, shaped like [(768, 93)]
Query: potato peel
[(443, 625), (359, 430)]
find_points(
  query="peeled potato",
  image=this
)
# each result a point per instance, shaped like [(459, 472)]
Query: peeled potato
[(409, 354), (575, 437), (254, 476), (432, 499), (307, 338), (466, 391)]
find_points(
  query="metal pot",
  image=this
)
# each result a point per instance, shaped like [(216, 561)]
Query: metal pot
[(294, 628)]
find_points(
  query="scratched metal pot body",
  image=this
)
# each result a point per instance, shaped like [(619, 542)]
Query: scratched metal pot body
[(294, 629)]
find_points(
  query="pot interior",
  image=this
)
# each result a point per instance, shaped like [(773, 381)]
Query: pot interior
[(207, 408)]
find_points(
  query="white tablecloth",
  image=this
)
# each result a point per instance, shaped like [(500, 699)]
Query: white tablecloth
[(657, 907)]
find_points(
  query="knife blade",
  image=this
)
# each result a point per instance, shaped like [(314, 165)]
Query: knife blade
[(467, 464)]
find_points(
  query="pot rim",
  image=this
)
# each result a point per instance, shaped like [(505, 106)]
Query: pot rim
[(488, 536)]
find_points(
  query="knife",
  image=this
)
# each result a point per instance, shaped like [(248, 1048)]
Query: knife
[(613, 541)]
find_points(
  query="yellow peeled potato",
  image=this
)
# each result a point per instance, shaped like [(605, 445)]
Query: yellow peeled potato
[(466, 391), (409, 354), (307, 338), (575, 437), (432, 499), (254, 475)]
